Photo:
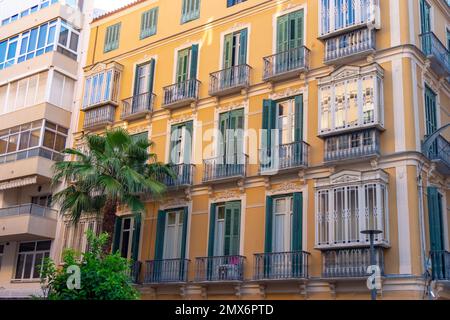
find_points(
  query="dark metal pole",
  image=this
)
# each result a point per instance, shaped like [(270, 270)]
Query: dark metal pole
[(373, 292)]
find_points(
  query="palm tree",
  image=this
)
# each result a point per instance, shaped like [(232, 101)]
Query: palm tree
[(114, 170)]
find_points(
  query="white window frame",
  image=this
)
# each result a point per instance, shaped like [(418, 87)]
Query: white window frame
[(33, 253), (288, 214), (131, 230), (349, 74), (179, 224), (327, 185)]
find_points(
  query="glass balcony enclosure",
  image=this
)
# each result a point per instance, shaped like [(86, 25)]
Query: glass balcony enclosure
[(40, 138), (351, 98), (349, 202), (338, 16), (57, 35)]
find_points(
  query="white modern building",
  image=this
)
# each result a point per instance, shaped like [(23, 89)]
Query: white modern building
[(41, 58)]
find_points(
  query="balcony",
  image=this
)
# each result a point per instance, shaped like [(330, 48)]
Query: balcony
[(230, 80), (166, 271), (439, 153), (352, 146), (287, 156), (349, 263), (281, 265), (437, 53), (27, 222), (183, 176), (137, 106), (135, 271), (286, 65), (99, 117), (440, 265), (181, 94), (220, 269), (350, 46), (221, 169)]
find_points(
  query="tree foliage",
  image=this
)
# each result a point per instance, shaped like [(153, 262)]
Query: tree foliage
[(102, 276)]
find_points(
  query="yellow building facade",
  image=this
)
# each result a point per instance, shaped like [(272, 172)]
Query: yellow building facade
[(292, 125)]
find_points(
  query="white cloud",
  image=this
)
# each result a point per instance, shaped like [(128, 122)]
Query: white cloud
[(109, 5)]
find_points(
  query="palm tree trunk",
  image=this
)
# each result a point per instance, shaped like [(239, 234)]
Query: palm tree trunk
[(109, 220)]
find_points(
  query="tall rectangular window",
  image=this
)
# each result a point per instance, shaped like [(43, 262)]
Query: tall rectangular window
[(30, 258), (112, 37), (190, 10), (149, 21), (290, 31)]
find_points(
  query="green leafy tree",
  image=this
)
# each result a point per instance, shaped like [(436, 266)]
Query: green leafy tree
[(103, 276), (114, 170)]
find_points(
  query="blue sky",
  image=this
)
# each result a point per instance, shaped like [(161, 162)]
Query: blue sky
[(109, 5)]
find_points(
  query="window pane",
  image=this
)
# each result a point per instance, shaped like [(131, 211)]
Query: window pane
[(73, 41), (60, 143), (63, 35), (28, 266), (24, 140), (43, 245), (49, 139), (13, 141), (34, 138)]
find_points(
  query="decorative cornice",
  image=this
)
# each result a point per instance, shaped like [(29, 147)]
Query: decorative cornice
[(289, 92)]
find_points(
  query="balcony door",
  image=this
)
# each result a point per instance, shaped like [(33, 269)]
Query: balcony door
[(181, 143), (231, 142), (436, 227), (235, 54), (425, 25), (143, 85), (431, 117), (170, 245), (283, 242), (186, 69), (227, 220), (126, 236), (173, 234)]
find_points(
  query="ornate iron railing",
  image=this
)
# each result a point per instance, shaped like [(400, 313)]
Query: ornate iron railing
[(281, 265), (281, 63), (229, 78), (166, 271), (225, 167), (139, 104), (223, 268)]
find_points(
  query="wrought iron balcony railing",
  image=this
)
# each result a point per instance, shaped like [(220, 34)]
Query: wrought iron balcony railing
[(29, 209), (353, 145), (224, 268), (440, 261), (355, 43), (439, 151), (181, 94), (349, 263), (285, 156), (184, 176), (225, 167), (101, 116), (135, 271), (281, 265), (166, 271), (286, 64), (137, 105), (229, 80), (435, 50)]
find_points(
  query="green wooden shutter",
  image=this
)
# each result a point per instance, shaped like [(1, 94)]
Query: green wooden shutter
[(243, 47), (174, 148), (269, 223), (148, 23), (194, 61), (160, 230), (212, 231), (184, 235), (282, 34), (224, 119), (268, 123), (297, 218), (188, 142), (232, 228), (182, 65), (298, 135), (425, 22), (435, 219), (151, 76), (117, 233), (430, 111), (227, 51), (295, 31), (136, 237)]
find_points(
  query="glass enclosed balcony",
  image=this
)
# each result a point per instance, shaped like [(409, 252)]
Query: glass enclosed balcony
[(355, 145), (229, 80), (438, 54), (286, 64), (222, 269)]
